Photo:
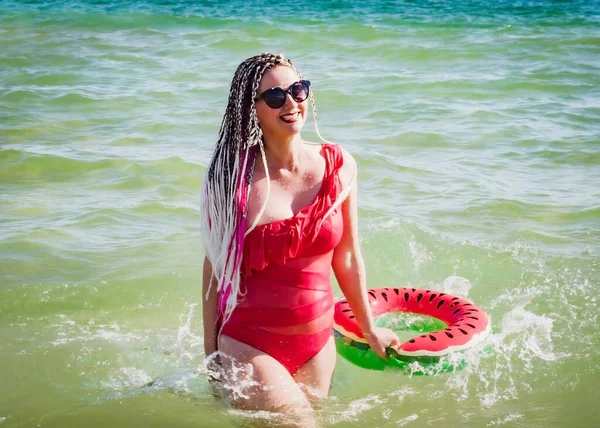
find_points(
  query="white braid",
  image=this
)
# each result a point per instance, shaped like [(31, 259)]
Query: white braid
[(220, 211), (264, 205), (346, 190)]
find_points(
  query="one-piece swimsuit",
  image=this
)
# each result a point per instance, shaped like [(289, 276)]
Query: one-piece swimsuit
[(287, 306)]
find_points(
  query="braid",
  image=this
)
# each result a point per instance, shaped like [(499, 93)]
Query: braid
[(224, 201)]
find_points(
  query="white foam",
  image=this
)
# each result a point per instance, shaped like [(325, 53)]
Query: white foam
[(256, 414), (235, 381), (187, 345), (343, 411), (457, 286), (127, 377), (535, 331), (517, 350), (69, 331), (354, 409), (508, 418), (405, 421), (418, 253)]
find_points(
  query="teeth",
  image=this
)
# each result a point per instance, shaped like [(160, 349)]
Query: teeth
[(289, 116)]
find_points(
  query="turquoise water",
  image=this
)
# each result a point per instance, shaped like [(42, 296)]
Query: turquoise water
[(476, 127)]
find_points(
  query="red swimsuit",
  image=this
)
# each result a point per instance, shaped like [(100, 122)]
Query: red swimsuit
[(287, 308)]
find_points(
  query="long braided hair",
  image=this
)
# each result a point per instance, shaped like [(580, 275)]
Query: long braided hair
[(224, 201)]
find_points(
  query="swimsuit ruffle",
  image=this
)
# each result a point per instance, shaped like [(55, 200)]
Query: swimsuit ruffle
[(278, 241)]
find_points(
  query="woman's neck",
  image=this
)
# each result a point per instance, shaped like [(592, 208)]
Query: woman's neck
[(285, 154)]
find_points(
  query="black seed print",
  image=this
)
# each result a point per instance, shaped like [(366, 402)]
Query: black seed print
[(413, 289), (463, 331), (406, 297), (346, 310), (432, 297), (456, 298), (372, 293), (442, 294), (351, 316), (396, 291), (474, 318), (440, 304), (433, 339), (449, 335), (453, 304), (411, 341), (384, 296), (471, 325), (419, 297), (456, 311)]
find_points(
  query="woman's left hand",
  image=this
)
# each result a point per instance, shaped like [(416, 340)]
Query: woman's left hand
[(381, 338)]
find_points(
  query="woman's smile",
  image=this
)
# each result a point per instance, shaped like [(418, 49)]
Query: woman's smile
[(290, 117)]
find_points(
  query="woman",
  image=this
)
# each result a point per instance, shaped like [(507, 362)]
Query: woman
[(278, 214)]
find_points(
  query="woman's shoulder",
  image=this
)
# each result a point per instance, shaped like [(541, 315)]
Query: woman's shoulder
[(345, 163), (342, 157)]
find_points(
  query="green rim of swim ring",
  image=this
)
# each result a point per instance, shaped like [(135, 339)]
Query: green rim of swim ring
[(363, 356)]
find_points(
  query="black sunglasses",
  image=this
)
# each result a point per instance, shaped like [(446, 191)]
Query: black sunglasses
[(275, 97)]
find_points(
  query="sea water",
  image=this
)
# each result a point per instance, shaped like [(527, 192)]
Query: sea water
[(476, 129)]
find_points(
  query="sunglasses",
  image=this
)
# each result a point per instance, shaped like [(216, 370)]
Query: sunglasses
[(275, 97)]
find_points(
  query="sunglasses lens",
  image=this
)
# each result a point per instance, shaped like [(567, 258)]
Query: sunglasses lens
[(299, 91), (275, 98)]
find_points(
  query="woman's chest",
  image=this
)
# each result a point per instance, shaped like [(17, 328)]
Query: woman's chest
[(281, 199)]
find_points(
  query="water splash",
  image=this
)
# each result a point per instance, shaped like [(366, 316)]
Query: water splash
[(125, 378), (457, 286), (405, 421), (419, 253), (187, 344), (337, 410), (70, 331), (511, 417)]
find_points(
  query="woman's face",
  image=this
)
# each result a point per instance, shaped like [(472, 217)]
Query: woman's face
[(287, 120)]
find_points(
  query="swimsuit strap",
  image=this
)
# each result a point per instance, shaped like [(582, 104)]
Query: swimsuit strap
[(334, 159), (332, 185)]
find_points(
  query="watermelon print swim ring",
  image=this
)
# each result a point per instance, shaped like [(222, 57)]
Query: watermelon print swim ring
[(465, 325)]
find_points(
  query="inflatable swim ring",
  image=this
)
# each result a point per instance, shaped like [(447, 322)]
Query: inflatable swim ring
[(465, 325)]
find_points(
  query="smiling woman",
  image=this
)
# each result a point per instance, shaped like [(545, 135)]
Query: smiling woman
[(268, 299)]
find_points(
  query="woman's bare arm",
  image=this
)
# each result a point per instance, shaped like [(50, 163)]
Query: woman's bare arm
[(349, 269)]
